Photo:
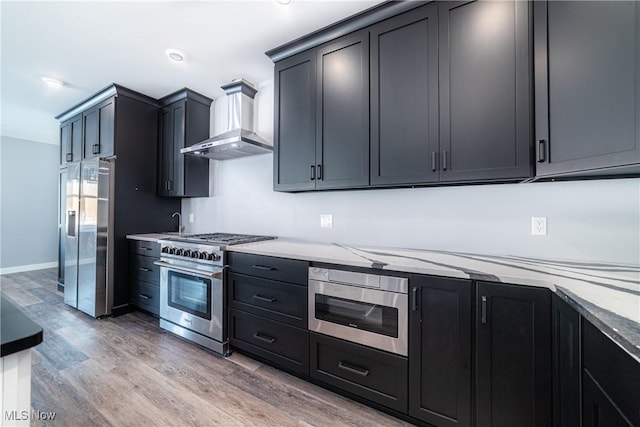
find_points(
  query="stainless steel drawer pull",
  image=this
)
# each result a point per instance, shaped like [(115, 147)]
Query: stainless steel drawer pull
[(144, 269), (265, 338), (263, 267), (146, 248), (143, 296), (354, 369), (265, 299), (483, 308)]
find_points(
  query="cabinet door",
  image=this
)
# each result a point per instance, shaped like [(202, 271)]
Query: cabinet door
[(565, 336), (513, 356), (294, 156), (484, 90), (178, 123), (342, 116), (71, 140), (440, 351), (165, 153), (599, 410), (404, 98), (587, 56), (98, 125)]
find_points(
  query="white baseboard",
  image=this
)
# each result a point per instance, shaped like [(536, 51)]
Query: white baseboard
[(31, 267)]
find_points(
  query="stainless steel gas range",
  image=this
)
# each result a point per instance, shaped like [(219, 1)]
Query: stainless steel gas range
[(192, 288)]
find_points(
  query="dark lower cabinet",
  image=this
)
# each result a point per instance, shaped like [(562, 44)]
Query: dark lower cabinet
[(587, 92), (567, 369), (513, 356), (440, 350), (144, 275), (611, 381), (375, 375)]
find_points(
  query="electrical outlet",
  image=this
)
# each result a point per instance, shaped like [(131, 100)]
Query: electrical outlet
[(191, 218), (538, 225), (326, 221)]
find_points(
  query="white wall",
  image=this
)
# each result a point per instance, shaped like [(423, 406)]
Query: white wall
[(28, 204), (587, 220)]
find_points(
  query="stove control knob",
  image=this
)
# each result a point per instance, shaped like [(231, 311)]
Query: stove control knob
[(203, 255), (186, 252), (165, 250), (172, 251), (214, 257), (179, 251), (195, 254)]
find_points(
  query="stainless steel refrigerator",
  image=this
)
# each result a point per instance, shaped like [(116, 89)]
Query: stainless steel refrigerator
[(88, 265)]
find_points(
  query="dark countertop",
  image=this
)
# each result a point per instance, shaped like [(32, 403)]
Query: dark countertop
[(17, 331)]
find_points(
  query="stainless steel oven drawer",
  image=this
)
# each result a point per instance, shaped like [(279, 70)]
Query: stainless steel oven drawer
[(275, 341), (369, 373)]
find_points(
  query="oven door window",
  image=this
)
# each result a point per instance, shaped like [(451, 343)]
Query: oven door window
[(365, 316), (190, 293)]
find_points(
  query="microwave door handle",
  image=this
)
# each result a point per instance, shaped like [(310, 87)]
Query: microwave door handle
[(216, 275)]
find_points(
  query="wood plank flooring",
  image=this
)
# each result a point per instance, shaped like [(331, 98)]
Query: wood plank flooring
[(126, 371)]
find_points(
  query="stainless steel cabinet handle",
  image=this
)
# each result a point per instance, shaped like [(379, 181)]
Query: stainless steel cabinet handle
[(542, 152), (95, 148), (434, 159), (313, 172), (320, 172), (263, 267), (444, 160), (143, 296), (69, 157), (414, 299), (483, 310), (144, 269), (144, 248), (265, 299), (354, 369), (265, 338)]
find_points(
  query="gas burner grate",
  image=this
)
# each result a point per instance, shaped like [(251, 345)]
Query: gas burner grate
[(226, 238)]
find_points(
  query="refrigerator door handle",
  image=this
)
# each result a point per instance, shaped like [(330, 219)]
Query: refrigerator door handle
[(71, 223)]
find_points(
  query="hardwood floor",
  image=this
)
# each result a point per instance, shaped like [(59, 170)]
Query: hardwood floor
[(126, 371)]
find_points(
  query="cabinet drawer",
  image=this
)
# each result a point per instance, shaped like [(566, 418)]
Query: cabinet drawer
[(143, 268), (282, 344), (274, 300), (614, 371), (373, 374), (146, 296), (286, 270), (144, 247)]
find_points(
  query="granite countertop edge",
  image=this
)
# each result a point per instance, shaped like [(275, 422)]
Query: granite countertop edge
[(19, 332)]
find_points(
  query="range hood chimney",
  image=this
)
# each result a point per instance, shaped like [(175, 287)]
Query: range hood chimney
[(240, 140)]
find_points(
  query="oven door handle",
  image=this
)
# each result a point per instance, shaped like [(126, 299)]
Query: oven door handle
[(216, 275)]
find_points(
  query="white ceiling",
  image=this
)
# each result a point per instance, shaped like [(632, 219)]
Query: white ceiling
[(90, 44)]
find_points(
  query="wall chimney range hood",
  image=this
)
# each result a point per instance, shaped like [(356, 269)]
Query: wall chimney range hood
[(240, 140)]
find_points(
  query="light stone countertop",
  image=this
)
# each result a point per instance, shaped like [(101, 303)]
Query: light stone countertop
[(606, 294), (151, 237)]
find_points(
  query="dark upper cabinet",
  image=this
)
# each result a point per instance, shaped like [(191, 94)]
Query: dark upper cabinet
[(184, 121), (513, 356), (98, 130), (294, 152), (565, 338), (587, 56), (440, 351), (342, 114), (71, 140), (404, 98), (484, 90)]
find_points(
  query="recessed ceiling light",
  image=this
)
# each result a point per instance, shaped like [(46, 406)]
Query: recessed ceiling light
[(284, 2), (50, 81), (175, 55)]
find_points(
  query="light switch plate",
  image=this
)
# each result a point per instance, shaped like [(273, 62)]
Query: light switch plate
[(538, 225), (326, 221), (191, 218)]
